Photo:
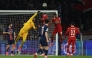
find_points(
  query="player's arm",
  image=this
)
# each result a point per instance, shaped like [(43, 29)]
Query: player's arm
[(34, 15), (34, 26), (78, 31), (14, 35), (5, 31), (46, 35), (67, 32), (51, 21)]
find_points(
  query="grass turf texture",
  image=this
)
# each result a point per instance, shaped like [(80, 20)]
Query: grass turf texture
[(24, 56)]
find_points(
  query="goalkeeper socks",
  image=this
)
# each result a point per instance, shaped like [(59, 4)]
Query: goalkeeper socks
[(22, 43), (16, 40), (46, 52)]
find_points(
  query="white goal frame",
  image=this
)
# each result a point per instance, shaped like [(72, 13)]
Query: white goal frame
[(4, 12)]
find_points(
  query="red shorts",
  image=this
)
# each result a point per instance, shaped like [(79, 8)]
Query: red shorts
[(58, 30), (71, 41)]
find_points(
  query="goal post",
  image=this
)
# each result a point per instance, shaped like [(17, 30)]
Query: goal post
[(18, 17)]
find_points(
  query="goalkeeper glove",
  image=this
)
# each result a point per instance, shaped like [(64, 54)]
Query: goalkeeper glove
[(39, 12)]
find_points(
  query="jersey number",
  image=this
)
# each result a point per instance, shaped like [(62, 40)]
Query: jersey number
[(72, 32)]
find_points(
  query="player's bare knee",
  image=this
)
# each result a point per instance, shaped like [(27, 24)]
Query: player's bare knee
[(46, 48), (41, 47)]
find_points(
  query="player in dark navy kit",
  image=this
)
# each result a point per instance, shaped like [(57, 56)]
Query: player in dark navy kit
[(44, 38), (40, 50), (9, 31)]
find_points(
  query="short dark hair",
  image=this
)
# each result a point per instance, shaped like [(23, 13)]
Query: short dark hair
[(47, 21), (72, 23), (9, 23)]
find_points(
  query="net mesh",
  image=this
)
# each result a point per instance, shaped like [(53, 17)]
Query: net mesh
[(31, 45)]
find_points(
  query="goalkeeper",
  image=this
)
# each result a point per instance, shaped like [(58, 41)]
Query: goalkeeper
[(25, 29)]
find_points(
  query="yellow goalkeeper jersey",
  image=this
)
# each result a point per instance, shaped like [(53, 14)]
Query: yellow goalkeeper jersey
[(29, 24)]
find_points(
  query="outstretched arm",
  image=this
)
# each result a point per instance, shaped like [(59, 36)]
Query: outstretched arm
[(33, 16)]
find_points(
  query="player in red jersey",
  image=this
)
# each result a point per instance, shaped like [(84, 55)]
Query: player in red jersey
[(44, 17), (58, 28), (71, 32)]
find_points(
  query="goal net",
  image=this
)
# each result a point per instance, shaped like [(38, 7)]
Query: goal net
[(18, 17)]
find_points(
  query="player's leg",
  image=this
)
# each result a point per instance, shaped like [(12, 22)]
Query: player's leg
[(23, 41), (40, 49), (7, 47), (46, 51), (73, 46), (12, 49), (46, 47), (60, 34), (19, 36), (17, 39), (69, 43), (40, 46), (52, 37)]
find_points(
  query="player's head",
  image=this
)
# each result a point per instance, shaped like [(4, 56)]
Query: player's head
[(46, 21), (55, 15), (72, 23), (10, 24)]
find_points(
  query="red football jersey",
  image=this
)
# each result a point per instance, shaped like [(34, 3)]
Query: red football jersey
[(44, 17), (72, 31), (56, 19)]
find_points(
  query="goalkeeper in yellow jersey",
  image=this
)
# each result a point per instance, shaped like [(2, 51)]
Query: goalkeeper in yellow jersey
[(25, 29)]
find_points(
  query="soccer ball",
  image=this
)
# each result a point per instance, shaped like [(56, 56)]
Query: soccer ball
[(44, 4)]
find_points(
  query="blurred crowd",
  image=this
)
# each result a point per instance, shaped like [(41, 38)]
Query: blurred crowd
[(65, 9)]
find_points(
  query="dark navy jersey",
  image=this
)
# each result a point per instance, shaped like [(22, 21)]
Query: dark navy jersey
[(43, 30), (11, 35), (43, 40), (39, 32)]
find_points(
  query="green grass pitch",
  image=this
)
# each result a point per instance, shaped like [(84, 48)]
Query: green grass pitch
[(25, 56)]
